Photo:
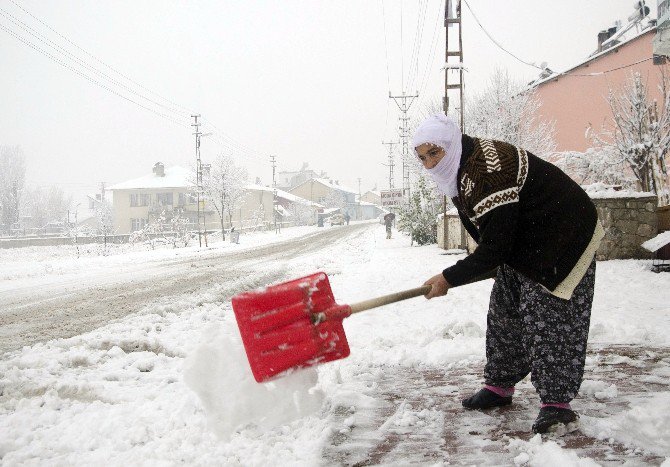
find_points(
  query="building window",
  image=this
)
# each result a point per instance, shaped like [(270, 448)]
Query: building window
[(164, 199), (137, 224), (139, 199)]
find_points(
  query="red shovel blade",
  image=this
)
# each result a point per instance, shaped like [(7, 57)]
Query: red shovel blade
[(278, 330)]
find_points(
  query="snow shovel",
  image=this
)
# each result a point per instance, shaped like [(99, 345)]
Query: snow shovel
[(297, 324)]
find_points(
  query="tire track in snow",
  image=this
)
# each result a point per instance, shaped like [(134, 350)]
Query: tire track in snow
[(82, 304)]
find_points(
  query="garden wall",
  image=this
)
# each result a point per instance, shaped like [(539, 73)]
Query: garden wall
[(628, 222)]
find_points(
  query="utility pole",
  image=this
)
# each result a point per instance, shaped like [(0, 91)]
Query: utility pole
[(103, 218), (455, 20), (274, 192), (360, 215), (198, 171), (390, 164), (404, 105)]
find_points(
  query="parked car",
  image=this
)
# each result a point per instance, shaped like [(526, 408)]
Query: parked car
[(337, 219)]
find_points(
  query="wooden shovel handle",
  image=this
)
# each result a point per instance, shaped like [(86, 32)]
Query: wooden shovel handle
[(391, 298)]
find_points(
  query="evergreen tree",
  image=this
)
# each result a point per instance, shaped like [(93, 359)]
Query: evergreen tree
[(418, 218)]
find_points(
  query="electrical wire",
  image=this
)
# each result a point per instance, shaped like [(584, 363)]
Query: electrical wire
[(599, 73), (496, 42), (416, 47), (386, 51), (88, 78), (237, 147), (97, 59), (433, 49), (80, 62), (402, 50)]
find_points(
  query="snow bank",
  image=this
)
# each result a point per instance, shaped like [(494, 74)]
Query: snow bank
[(538, 453), (601, 190), (171, 383), (646, 425), (657, 242), (219, 373)]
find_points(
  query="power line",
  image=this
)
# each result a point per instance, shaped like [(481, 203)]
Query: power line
[(80, 62), (386, 53), (416, 48), (234, 145), (599, 73), (402, 50), (189, 111), (83, 75), (496, 42), (433, 49)]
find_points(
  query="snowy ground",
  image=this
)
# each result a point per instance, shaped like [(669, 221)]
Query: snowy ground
[(170, 383)]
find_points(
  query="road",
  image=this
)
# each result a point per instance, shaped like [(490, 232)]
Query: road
[(72, 306)]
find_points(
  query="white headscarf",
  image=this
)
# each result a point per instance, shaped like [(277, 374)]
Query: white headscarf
[(442, 131)]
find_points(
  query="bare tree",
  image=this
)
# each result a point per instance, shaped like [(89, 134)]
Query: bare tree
[(12, 180), (224, 187), (641, 133)]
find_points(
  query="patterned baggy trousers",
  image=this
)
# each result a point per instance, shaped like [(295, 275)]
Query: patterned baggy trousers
[(531, 331)]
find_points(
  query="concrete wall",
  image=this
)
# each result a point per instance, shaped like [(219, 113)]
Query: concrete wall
[(453, 236), (628, 223)]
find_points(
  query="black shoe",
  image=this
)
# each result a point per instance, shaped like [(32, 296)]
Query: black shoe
[(485, 399), (551, 419)]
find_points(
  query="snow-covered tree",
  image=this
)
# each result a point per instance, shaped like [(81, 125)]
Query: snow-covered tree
[(302, 214), (179, 230), (224, 187), (509, 111), (12, 179), (506, 110), (418, 218), (336, 199), (103, 213), (595, 165), (641, 133), (44, 205)]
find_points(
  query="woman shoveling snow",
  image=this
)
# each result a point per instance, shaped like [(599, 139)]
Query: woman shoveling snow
[(538, 232)]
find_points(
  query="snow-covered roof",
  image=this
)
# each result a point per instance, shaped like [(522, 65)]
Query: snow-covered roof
[(591, 58), (330, 184), (659, 241), (284, 194), (175, 177)]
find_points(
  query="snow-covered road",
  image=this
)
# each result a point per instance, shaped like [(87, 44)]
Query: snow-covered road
[(168, 383), (72, 301)]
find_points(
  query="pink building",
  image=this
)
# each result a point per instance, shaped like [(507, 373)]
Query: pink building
[(577, 98)]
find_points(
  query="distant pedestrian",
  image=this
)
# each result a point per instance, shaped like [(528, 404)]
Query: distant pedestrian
[(347, 217), (537, 232), (388, 222)]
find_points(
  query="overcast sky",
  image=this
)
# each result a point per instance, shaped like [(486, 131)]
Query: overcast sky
[(306, 81)]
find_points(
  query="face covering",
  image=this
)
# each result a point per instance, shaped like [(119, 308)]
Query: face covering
[(442, 131)]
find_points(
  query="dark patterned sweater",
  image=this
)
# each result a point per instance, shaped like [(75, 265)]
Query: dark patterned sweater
[(522, 211)]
